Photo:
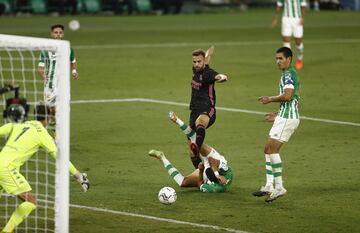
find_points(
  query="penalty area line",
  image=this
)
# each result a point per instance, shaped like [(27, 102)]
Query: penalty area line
[(144, 100), (168, 220)]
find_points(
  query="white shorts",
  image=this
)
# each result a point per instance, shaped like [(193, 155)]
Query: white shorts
[(49, 97), (292, 27), (283, 128)]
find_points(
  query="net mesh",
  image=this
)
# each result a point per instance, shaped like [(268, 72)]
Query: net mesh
[(18, 67)]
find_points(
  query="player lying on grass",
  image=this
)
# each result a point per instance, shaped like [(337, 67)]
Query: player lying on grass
[(23, 140), (213, 175)]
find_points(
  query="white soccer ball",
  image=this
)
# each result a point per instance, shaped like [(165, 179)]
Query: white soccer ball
[(167, 195), (74, 25)]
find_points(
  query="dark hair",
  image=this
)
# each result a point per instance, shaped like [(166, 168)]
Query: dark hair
[(198, 52), (57, 26), (41, 112), (286, 51)]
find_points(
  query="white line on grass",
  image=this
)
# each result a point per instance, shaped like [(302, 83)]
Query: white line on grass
[(225, 43), (169, 220), (218, 108)]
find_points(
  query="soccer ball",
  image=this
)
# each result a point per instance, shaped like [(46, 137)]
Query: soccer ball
[(167, 195), (74, 25)]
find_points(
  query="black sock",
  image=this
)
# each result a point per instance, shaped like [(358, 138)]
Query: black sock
[(200, 135), (196, 160)]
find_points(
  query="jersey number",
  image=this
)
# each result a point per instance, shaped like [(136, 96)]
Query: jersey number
[(22, 132)]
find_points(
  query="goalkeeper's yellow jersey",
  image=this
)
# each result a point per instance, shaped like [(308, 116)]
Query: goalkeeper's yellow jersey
[(24, 140)]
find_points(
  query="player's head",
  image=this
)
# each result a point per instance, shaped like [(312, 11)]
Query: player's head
[(198, 60), (42, 113), (57, 31), (15, 113), (283, 57)]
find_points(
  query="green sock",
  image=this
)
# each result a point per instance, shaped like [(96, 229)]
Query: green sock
[(21, 212)]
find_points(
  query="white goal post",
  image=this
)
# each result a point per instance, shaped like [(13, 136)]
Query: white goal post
[(20, 45)]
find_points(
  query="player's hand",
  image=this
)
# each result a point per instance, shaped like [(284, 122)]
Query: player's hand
[(222, 179), (220, 78), (75, 74), (270, 116), (264, 99), (302, 21), (201, 166), (84, 182)]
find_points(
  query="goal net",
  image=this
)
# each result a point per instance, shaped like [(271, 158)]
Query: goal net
[(49, 179)]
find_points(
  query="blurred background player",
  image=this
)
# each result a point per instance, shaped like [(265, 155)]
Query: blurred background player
[(46, 69), (203, 98), (285, 123), (23, 140), (292, 24), (212, 176)]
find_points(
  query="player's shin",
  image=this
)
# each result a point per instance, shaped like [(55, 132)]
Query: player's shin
[(172, 171), (21, 212), (269, 171), (277, 169), (200, 135)]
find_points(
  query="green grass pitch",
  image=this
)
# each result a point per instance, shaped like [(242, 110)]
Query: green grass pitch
[(150, 57)]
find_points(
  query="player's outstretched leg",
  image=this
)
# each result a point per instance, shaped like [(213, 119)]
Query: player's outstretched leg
[(183, 127), (172, 171)]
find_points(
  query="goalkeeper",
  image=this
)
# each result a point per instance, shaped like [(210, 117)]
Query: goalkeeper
[(23, 140)]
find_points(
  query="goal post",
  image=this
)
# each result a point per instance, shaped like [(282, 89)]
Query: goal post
[(18, 65)]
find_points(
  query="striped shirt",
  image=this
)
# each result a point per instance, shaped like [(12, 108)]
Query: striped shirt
[(48, 60), (292, 8), (290, 109)]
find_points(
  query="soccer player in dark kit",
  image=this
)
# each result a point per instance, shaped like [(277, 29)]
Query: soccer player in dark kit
[(203, 99)]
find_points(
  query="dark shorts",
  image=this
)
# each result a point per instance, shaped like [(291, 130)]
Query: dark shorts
[(195, 114)]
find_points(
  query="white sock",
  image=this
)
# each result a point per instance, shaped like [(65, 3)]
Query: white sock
[(173, 172), (277, 169), (300, 51), (269, 171), (287, 44), (191, 134)]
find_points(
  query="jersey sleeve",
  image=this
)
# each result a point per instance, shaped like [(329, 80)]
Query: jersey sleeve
[(42, 59), (72, 56), (289, 81), (209, 75), (280, 3), (6, 129)]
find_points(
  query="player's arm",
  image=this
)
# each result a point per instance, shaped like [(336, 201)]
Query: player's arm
[(214, 164), (279, 6), (74, 71), (48, 143), (285, 97), (41, 66), (208, 54)]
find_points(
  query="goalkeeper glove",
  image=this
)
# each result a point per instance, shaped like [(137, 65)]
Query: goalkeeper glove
[(84, 182)]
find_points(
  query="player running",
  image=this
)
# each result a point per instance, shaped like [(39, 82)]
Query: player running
[(46, 69), (285, 123), (203, 98), (292, 24), (23, 140)]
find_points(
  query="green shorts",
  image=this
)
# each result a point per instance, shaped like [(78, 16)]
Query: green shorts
[(12, 181), (218, 188)]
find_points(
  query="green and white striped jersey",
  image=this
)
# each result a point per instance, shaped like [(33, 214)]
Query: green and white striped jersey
[(290, 109), (47, 59), (292, 8)]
